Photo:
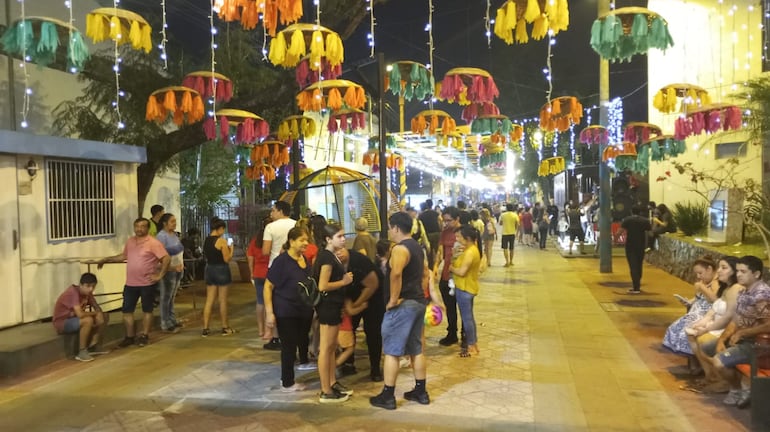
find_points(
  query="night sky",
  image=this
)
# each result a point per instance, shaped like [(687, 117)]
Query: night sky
[(459, 39)]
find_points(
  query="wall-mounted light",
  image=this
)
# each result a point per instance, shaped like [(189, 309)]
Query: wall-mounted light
[(32, 168)]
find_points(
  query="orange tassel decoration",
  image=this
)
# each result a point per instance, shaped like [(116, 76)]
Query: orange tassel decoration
[(350, 97), (334, 99), (433, 125), (187, 103), (198, 109), (169, 101)]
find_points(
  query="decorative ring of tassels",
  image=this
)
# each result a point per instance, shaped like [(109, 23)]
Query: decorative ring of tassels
[(182, 104), (624, 32), (550, 166), (272, 152), (513, 16), (40, 37), (467, 85), (495, 159), (305, 75), (560, 114), (119, 25), (410, 80), (666, 100), (594, 135), (709, 119), (329, 94), (296, 41), (473, 110), (665, 146), (243, 126), (207, 84), (640, 132), (613, 151), (249, 12), (292, 127), (346, 120)]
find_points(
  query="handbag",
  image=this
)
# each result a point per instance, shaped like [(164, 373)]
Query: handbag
[(308, 291)]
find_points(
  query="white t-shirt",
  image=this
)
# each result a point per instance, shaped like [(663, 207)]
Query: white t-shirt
[(277, 232)]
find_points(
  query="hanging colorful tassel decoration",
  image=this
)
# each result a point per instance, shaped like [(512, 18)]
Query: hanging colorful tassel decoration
[(249, 11), (317, 96), (594, 135), (319, 42), (203, 82), (120, 25), (560, 114), (666, 100), (640, 132), (625, 32), (513, 16), (182, 104), (38, 38), (243, 126), (551, 166), (292, 127), (472, 84)]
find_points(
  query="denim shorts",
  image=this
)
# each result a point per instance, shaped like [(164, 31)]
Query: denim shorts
[(132, 294), (218, 274), (71, 325), (402, 329), (259, 285), (737, 354)]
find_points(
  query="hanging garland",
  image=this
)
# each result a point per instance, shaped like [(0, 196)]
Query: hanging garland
[(249, 12), (346, 120), (594, 135), (693, 97), (121, 26), (709, 119), (621, 33), (640, 132), (317, 41), (545, 15), (467, 85), (551, 166), (292, 127), (328, 94), (182, 104), (245, 127), (210, 85), (560, 114), (39, 38), (410, 80)]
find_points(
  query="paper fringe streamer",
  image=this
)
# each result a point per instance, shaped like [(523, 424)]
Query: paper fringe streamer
[(41, 48), (100, 27)]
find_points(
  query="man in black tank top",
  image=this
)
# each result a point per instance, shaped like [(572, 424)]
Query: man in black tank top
[(403, 323)]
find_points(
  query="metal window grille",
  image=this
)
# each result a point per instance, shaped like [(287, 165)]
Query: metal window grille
[(81, 200)]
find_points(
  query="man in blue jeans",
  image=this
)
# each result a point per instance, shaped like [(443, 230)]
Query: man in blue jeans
[(402, 325)]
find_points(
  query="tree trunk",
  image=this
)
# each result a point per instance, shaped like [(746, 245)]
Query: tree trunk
[(145, 175)]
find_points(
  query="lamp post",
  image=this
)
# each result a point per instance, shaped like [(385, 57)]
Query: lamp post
[(605, 222)]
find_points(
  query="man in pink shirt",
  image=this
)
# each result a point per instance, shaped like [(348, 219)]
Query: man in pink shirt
[(76, 311), (146, 263)]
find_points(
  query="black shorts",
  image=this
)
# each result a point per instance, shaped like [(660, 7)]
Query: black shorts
[(576, 233), (132, 294), (329, 312), (509, 240)]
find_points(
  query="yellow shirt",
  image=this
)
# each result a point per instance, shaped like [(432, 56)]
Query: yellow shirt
[(470, 282), (510, 222)]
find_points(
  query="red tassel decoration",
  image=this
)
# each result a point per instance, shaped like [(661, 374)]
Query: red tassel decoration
[(302, 73), (698, 123), (492, 91), (733, 118), (224, 129), (714, 121)]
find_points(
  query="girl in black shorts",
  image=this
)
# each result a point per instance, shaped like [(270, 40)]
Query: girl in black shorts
[(332, 279)]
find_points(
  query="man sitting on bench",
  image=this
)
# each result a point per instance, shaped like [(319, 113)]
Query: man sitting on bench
[(76, 311)]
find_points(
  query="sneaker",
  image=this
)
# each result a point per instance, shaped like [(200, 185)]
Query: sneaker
[(94, 350), (205, 333), (419, 397), (84, 356), (339, 388), (383, 401), (127, 342), (744, 400), (273, 345), (227, 331), (307, 366), (296, 387), (346, 370), (733, 396), (332, 398), (142, 340), (448, 340)]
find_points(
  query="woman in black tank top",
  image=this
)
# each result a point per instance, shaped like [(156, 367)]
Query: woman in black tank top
[(217, 253)]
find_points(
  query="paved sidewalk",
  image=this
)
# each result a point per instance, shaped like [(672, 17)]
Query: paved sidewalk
[(561, 350)]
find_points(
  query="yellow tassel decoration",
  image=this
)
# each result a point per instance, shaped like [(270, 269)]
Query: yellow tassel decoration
[(115, 29), (297, 49), (146, 38), (657, 101), (500, 30), (521, 32), (135, 35), (95, 28), (277, 53), (540, 27), (169, 101), (532, 11), (316, 50), (308, 128), (510, 15), (551, 9), (335, 52), (562, 14), (705, 99)]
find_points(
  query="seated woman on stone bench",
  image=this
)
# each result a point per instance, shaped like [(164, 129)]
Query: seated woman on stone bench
[(76, 311), (706, 288), (703, 334)]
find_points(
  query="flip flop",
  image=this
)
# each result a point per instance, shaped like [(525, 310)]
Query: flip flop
[(464, 353)]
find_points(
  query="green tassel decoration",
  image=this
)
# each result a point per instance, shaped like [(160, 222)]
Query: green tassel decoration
[(77, 53), (409, 92), (643, 160), (596, 36), (395, 81), (414, 75), (656, 153), (639, 28), (49, 37), (505, 127), (611, 30)]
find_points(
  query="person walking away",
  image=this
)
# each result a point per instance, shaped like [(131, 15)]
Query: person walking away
[(451, 220), (169, 284), (553, 215), (330, 274), (218, 253), (76, 311), (636, 227), (286, 311), (431, 221), (146, 263), (510, 224), (403, 323), (273, 240)]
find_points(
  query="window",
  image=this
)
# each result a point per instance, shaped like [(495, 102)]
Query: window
[(81, 200), (730, 150)]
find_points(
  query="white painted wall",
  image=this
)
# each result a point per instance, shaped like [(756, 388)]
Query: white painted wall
[(165, 191), (717, 47)]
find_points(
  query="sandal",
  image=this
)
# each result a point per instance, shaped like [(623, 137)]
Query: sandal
[(464, 353)]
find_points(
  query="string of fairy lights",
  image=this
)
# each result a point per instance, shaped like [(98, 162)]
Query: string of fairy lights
[(213, 31), (70, 45), (163, 35), (24, 59), (116, 66), (372, 24)]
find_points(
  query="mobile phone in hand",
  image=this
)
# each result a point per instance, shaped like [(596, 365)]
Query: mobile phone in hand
[(682, 300), (230, 241)]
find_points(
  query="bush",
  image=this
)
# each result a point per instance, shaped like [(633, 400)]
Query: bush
[(691, 218)]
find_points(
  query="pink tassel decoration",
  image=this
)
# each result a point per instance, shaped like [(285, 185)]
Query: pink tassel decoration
[(714, 121), (209, 89), (332, 125), (209, 128), (646, 134), (222, 91), (447, 88), (302, 73), (733, 118), (262, 129), (189, 81), (239, 139), (344, 122), (477, 90), (249, 134), (228, 90), (197, 85), (470, 113), (682, 128), (629, 135), (224, 130), (492, 91)]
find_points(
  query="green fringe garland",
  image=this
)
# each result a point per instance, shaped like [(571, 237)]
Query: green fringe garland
[(420, 83), (610, 42), (20, 39)]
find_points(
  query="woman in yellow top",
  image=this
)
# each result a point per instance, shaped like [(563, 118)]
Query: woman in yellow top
[(466, 278)]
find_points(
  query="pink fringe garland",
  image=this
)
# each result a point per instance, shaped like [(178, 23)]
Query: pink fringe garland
[(729, 118), (204, 86), (596, 136)]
